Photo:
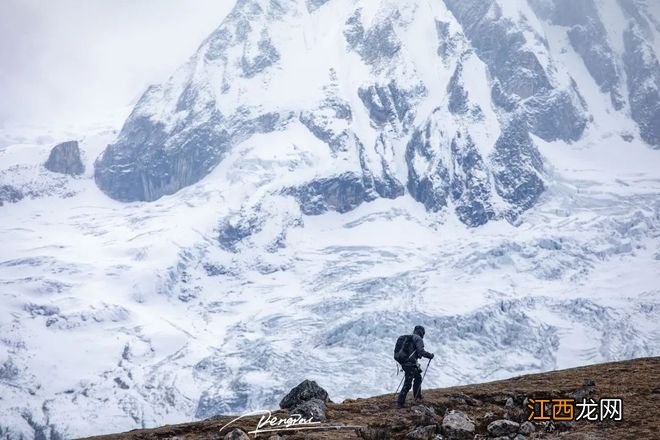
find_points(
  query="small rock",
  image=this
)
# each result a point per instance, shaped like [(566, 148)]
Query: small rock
[(314, 408), (457, 426), (423, 409), (65, 159), (236, 434), (589, 383), (527, 428), (509, 403), (581, 393), (422, 433), (457, 399), (306, 390), (425, 415), (549, 426), (627, 137), (503, 427), (276, 437), (123, 385)]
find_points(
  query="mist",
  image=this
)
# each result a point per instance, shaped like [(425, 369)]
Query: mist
[(76, 61)]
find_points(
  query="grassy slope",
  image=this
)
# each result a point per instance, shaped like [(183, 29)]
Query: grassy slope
[(636, 381)]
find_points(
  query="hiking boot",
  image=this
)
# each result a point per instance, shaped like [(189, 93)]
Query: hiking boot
[(400, 405)]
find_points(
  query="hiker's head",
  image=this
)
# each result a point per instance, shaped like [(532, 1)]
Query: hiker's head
[(419, 330)]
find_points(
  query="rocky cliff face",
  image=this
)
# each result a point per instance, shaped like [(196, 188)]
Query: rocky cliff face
[(65, 159), (589, 38), (359, 79), (643, 73)]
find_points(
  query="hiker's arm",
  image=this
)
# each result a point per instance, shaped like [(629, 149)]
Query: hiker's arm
[(419, 348)]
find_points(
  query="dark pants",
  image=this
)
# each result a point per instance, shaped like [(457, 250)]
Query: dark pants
[(412, 379)]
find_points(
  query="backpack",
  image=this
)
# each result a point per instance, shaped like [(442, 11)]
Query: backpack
[(403, 349)]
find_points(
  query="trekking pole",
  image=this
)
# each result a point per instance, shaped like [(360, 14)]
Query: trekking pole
[(427, 367), (397, 388)]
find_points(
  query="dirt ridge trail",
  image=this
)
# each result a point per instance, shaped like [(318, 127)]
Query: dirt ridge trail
[(636, 382)]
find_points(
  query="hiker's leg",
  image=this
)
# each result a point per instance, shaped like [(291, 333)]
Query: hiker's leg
[(407, 384), (417, 383)]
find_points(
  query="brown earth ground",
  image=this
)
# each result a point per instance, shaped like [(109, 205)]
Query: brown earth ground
[(637, 382)]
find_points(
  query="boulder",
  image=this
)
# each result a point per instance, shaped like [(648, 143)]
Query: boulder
[(457, 426), (236, 434), (313, 408), (65, 159), (306, 390), (503, 427)]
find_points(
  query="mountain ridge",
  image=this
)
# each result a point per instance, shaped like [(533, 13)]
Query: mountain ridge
[(183, 129)]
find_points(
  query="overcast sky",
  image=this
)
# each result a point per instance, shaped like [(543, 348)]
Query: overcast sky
[(70, 61)]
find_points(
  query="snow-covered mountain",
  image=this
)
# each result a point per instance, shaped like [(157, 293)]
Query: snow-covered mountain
[(318, 178)]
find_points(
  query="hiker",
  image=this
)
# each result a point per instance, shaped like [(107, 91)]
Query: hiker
[(408, 349)]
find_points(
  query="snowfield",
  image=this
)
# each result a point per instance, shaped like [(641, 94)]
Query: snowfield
[(116, 316), (221, 294)]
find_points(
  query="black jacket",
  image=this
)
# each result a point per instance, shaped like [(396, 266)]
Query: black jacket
[(418, 344), (419, 347)]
